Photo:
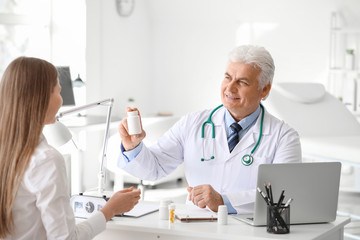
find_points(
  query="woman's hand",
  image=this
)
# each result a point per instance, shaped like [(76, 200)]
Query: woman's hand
[(121, 202)]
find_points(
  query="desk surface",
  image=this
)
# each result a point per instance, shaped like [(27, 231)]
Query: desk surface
[(150, 227)]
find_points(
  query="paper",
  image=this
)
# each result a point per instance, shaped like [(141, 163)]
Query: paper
[(141, 209)]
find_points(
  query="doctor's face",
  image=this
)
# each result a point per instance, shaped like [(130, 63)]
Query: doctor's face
[(240, 91)]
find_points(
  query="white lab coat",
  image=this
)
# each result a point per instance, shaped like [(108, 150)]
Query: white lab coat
[(226, 174)]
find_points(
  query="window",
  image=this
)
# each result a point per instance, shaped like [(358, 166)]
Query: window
[(54, 30), (24, 30)]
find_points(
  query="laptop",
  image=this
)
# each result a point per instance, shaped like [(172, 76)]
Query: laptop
[(313, 186)]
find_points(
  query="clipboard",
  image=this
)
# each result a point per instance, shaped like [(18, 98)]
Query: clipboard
[(195, 214), (192, 218)]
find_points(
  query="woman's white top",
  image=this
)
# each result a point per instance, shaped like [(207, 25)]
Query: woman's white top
[(42, 206)]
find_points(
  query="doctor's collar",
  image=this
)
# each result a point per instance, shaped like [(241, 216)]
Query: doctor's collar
[(245, 122)]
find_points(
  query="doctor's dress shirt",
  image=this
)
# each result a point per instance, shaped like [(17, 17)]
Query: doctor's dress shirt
[(42, 206)]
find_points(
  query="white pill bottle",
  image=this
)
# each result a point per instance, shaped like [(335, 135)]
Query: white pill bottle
[(222, 215), (164, 209), (133, 122)]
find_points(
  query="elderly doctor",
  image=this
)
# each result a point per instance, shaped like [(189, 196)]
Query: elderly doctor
[(220, 170)]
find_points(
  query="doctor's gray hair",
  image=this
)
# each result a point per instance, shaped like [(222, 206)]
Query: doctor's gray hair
[(258, 57)]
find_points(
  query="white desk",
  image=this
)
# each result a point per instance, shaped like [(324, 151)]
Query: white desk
[(150, 227)]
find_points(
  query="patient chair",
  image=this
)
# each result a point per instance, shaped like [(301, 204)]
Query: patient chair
[(328, 130)]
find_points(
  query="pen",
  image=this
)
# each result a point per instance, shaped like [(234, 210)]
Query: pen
[(263, 195), (281, 198), (286, 205), (288, 202), (271, 196), (267, 190)]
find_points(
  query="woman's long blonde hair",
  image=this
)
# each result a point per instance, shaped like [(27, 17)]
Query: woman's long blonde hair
[(25, 91)]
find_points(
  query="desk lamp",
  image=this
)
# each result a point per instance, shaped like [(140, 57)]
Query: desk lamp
[(58, 134)]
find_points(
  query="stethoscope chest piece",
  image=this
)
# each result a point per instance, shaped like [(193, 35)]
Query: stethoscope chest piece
[(247, 160)]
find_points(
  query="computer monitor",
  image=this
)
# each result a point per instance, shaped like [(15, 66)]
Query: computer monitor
[(67, 92)]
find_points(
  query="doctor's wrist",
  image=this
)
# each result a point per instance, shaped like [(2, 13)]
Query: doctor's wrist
[(129, 147)]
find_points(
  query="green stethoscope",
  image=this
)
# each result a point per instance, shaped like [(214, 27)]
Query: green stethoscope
[(247, 159)]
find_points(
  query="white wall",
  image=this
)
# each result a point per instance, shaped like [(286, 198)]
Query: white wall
[(117, 55), (68, 35), (170, 55)]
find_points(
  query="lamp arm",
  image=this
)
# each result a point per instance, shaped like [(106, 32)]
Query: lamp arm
[(84, 107)]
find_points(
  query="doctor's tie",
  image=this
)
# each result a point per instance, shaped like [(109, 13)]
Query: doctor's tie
[(234, 136)]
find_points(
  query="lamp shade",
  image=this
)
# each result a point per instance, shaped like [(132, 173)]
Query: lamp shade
[(57, 134)]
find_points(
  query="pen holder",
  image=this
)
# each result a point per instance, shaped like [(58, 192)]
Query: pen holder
[(278, 219)]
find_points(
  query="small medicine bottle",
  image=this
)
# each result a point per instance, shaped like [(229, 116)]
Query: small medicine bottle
[(164, 209), (222, 215), (133, 122), (172, 213)]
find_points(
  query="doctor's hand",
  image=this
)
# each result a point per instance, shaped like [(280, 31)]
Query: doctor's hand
[(130, 141), (205, 195), (121, 202)]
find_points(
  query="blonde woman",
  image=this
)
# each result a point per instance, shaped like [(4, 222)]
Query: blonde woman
[(34, 203)]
